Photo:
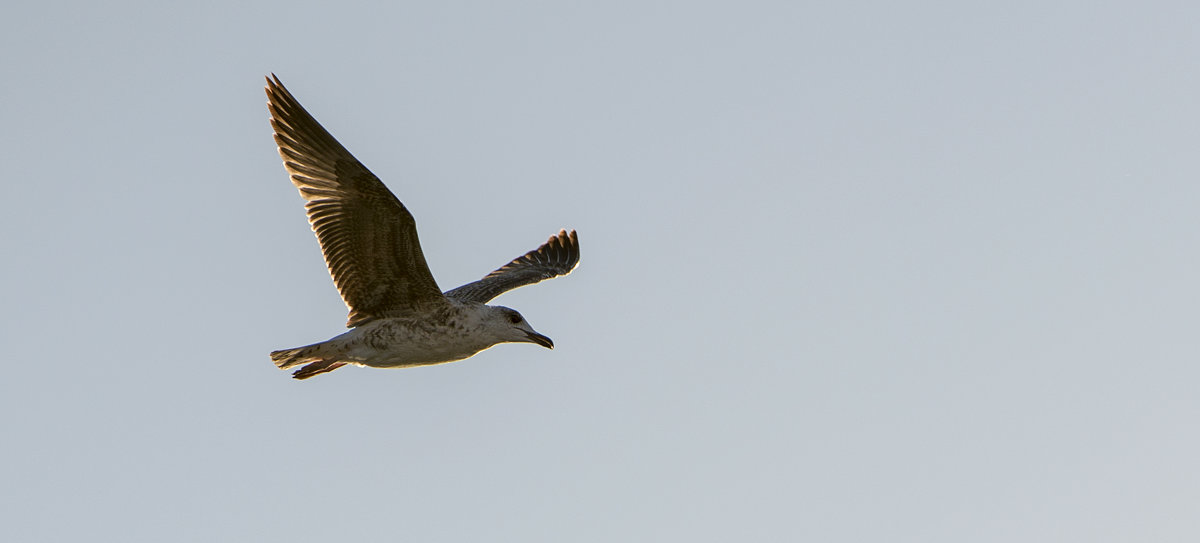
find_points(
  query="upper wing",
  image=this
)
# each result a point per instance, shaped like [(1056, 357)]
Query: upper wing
[(556, 257), (369, 239)]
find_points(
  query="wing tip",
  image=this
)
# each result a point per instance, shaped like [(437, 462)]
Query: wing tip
[(562, 249), (567, 244)]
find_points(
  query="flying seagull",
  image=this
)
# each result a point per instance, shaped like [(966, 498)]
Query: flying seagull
[(399, 317)]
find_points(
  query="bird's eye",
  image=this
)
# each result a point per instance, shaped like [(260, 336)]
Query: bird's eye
[(514, 318)]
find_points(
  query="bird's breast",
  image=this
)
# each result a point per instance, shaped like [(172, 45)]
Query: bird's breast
[(398, 342)]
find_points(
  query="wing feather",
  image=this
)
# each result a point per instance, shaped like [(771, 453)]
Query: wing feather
[(368, 237), (558, 256)]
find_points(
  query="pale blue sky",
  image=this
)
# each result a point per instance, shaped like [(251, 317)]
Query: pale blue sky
[(867, 272)]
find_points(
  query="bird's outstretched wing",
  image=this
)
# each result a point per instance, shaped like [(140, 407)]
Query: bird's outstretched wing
[(556, 257), (369, 239)]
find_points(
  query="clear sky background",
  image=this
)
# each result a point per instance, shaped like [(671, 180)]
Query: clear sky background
[(853, 271)]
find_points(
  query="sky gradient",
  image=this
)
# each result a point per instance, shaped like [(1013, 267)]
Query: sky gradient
[(866, 272)]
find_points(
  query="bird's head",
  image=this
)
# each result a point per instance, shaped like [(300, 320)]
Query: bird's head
[(510, 326)]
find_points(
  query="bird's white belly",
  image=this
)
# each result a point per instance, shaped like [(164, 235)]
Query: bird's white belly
[(394, 343)]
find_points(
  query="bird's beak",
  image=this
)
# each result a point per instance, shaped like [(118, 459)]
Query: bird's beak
[(544, 341)]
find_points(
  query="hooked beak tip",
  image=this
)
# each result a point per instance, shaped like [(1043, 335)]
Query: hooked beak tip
[(544, 341)]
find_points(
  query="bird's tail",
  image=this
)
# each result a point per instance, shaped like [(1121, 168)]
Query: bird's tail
[(310, 355), (289, 358)]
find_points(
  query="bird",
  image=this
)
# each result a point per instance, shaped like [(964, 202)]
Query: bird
[(398, 317)]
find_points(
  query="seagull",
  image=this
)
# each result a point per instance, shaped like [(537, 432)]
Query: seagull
[(399, 318)]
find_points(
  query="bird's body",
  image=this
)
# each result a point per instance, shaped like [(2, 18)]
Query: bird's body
[(454, 332), (399, 317)]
